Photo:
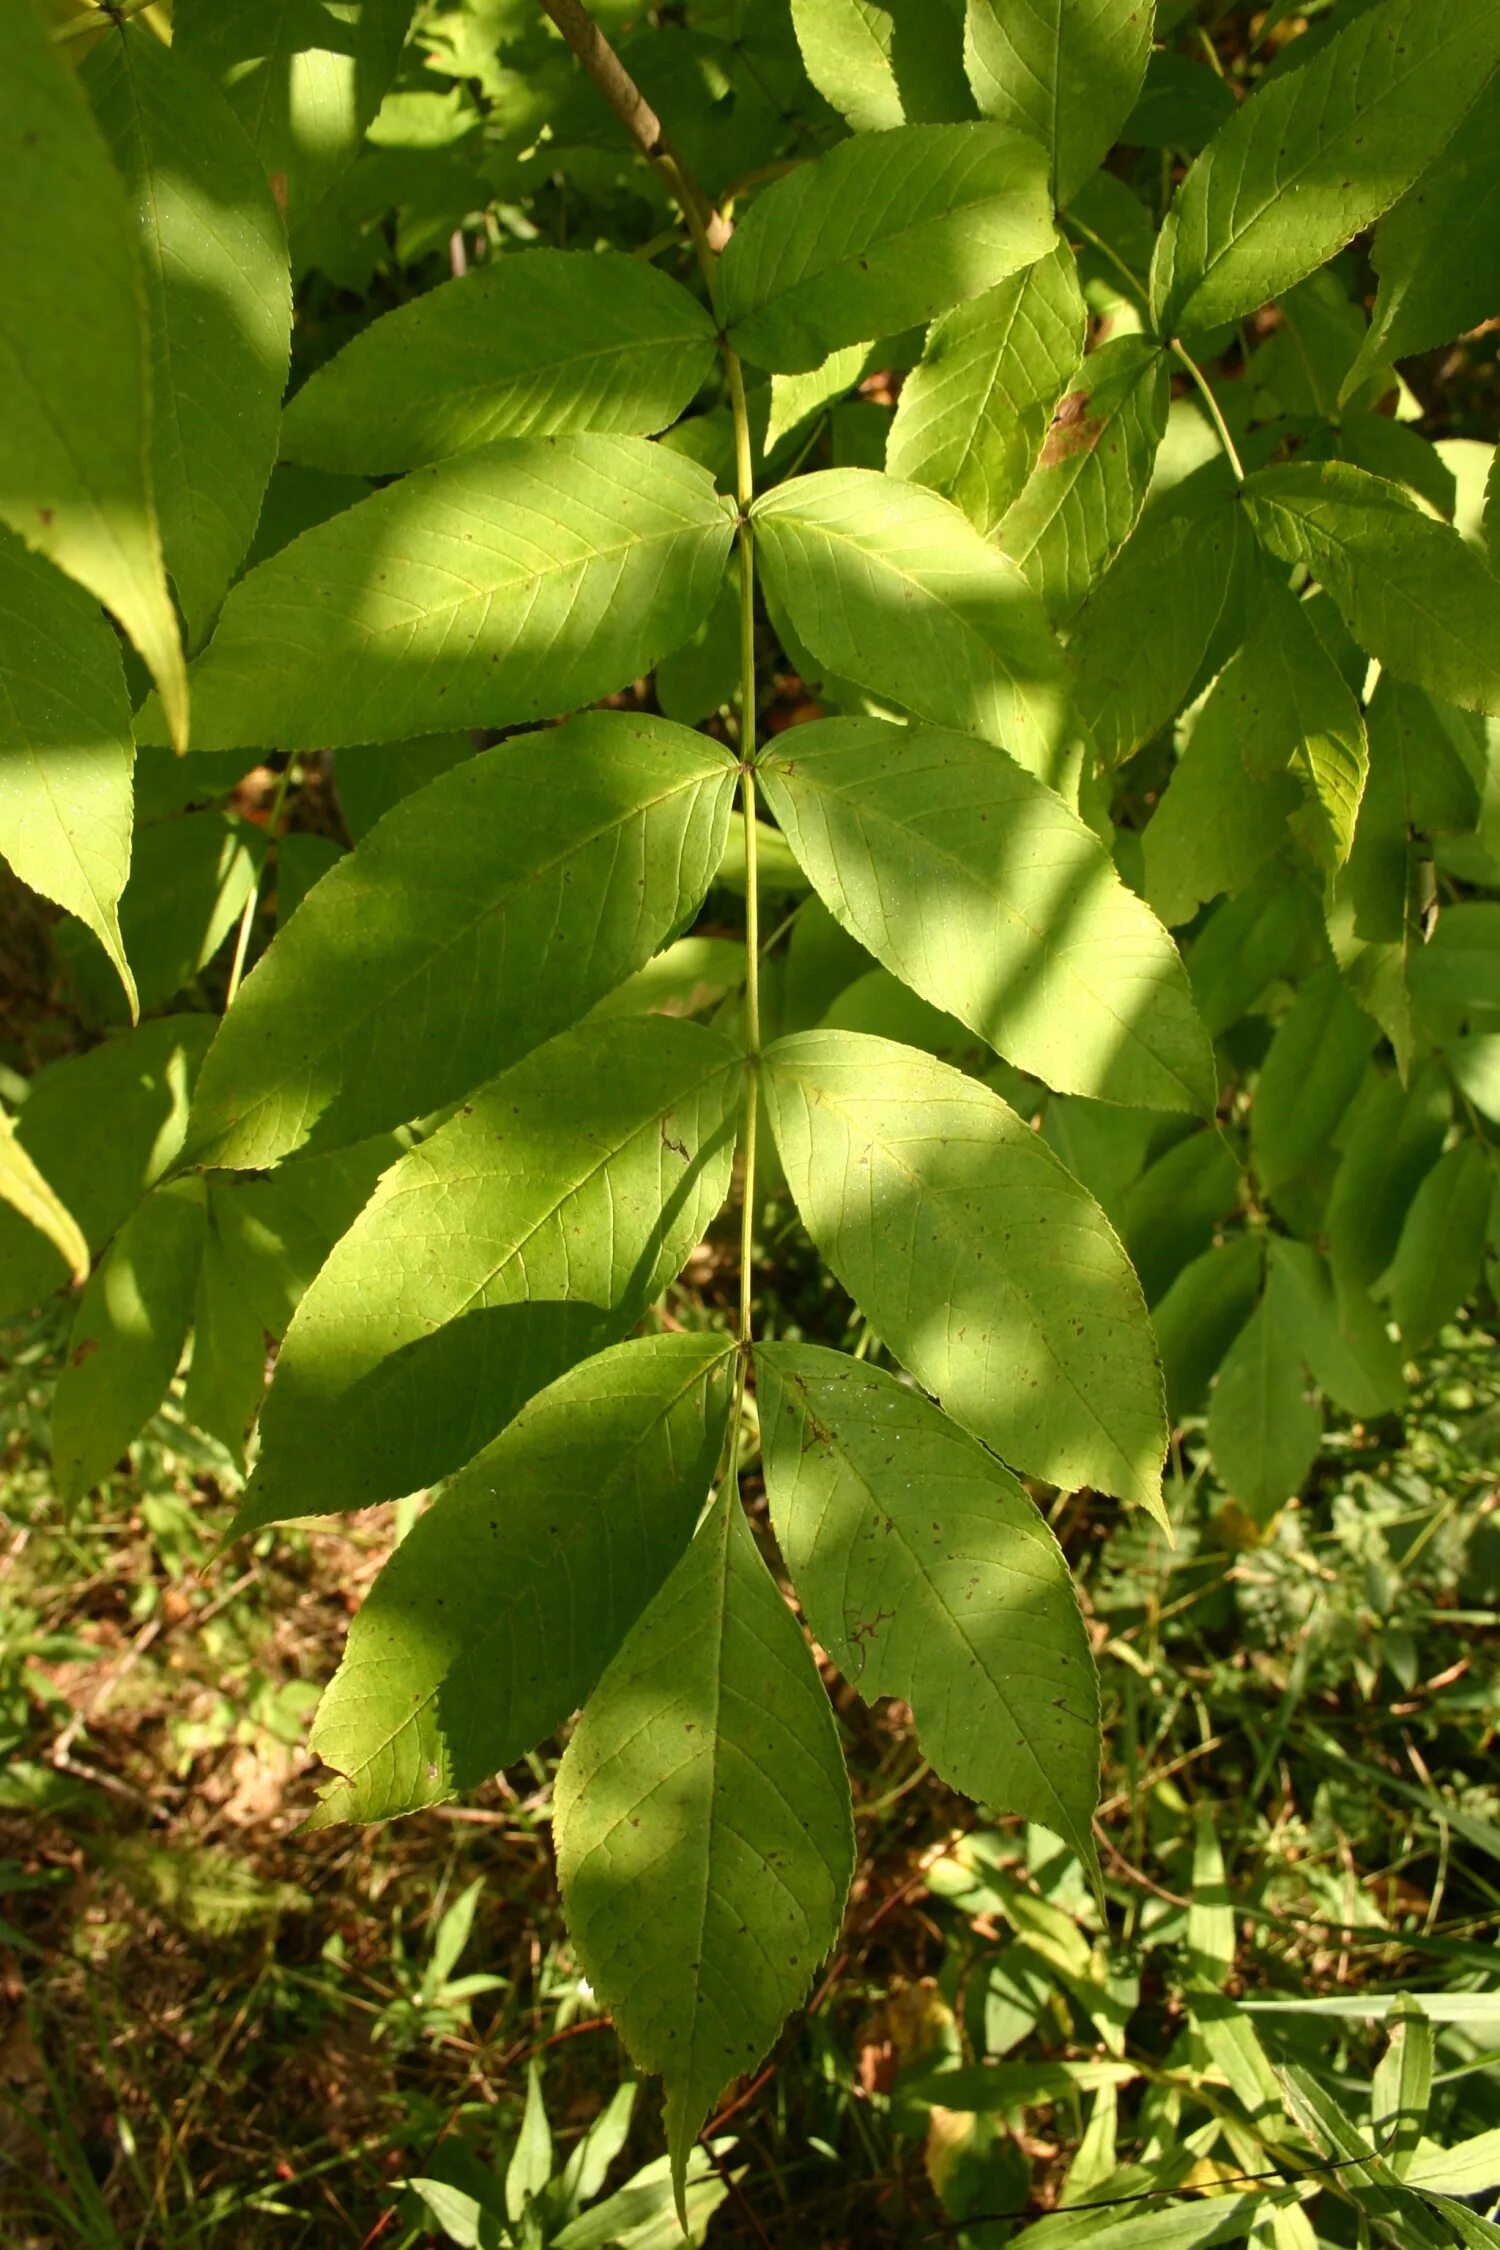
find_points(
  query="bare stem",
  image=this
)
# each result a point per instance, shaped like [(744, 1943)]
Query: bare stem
[(1231, 452), (247, 919)]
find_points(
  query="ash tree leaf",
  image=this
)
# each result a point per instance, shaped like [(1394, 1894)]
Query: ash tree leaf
[(1169, 1214), (987, 894), (1371, 914), (1441, 1249), (892, 587), (1082, 499), (702, 1826), (882, 233), (553, 892), (1393, 1139), (495, 1616), (540, 343), (1215, 825), (140, 1082), (227, 1373), (127, 1336), (993, 1276), (1412, 592), (974, 411), (1263, 1429), (1200, 1316), (1065, 71), (74, 367), (1438, 251), (305, 77), (189, 879), (1316, 155), (927, 1573), (1338, 1331), (525, 578), (23, 1187), (531, 1230), (1143, 635), (219, 304), (1297, 712), (881, 63), (1311, 1074), (66, 755)]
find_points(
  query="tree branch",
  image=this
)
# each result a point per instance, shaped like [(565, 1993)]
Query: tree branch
[(709, 231)]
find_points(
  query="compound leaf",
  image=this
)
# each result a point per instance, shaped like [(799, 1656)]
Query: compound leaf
[(885, 231), (541, 343), (1316, 155), (74, 373), (983, 1264), (127, 1336), (494, 1617), (552, 895), (530, 1231), (1082, 499), (525, 578), (701, 1817), (1412, 592), (66, 756), (891, 586), (983, 891), (927, 1573), (218, 296), (1065, 71), (974, 411)]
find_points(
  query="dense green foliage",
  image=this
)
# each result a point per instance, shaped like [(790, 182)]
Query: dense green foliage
[(1087, 508)]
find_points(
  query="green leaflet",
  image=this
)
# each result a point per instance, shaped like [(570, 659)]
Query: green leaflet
[(1338, 1331), (1215, 825), (305, 78), (551, 896), (1140, 639), (128, 1336), (982, 1263), (1169, 1214), (1441, 1249), (374, 776), (892, 587), (1263, 1429), (73, 362), (1296, 711), (1201, 1315), (1394, 1138), (189, 879), (494, 1617), (880, 234), (882, 62), (66, 755), (1371, 909), (218, 297), (23, 1187), (1438, 252), (227, 1373), (1065, 71), (974, 411), (927, 1573), (1411, 591), (956, 868), (1083, 497), (1310, 1075), (531, 1230), (701, 1821), (1316, 154), (140, 1083), (525, 578), (539, 343), (1272, 931)]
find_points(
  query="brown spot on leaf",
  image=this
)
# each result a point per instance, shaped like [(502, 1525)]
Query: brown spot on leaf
[(1073, 430)]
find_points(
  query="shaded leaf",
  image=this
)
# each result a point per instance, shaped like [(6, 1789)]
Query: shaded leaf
[(1263, 1430), (927, 1573), (1201, 1315), (1338, 1331), (494, 1617), (1215, 824), (989, 1271), (74, 397), (701, 1817), (1310, 1076), (552, 895), (1391, 1144), (1441, 1249), (1296, 711), (538, 343), (1038, 946), (530, 1231), (218, 297)]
